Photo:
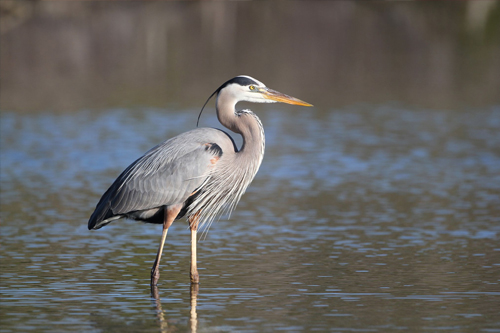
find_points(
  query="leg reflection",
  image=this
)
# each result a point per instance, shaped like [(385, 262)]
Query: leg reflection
[(160, 315), (159, 311), (194, 297)]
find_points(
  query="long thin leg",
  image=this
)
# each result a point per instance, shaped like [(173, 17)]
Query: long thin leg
[(155, 272), (169, 217), (193, 224)]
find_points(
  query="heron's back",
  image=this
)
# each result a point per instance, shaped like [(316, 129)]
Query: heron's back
[(167, 174)]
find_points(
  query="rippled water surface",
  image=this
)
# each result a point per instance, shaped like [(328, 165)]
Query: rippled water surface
[(370, 218)]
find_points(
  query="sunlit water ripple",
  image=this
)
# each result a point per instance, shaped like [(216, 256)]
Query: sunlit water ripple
[(365, 218)]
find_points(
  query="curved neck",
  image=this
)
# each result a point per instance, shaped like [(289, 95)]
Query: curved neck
[(245, 123)]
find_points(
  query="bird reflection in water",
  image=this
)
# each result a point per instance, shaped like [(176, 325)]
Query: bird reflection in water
[(160, 314)]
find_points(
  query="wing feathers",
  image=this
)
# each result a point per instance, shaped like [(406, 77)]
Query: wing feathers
[(172, 182), (167, 174)]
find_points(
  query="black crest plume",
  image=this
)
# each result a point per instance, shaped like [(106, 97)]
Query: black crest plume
[(241, 80)]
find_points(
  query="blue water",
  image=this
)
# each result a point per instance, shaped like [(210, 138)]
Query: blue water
[(368, 218)]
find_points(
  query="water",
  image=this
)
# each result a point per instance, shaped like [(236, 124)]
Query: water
[(368, 218)]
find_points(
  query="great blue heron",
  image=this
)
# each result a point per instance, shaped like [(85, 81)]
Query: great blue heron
[(199, 174)]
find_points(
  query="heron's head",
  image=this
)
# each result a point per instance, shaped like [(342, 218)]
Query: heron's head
[(248, 89)]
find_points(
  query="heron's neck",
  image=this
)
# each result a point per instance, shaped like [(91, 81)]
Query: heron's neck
[(246, 123)]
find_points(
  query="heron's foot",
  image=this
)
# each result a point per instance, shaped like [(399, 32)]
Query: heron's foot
[(154, 292), (195, 277), (155, 276)]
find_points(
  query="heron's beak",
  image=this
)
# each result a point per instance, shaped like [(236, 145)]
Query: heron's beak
[(279, 97)]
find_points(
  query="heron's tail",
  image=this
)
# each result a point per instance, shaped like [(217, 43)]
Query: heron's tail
[(94, 224), (102, 214)]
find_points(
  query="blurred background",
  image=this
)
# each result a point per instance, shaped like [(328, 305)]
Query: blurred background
[(72, 55), (376, 210)]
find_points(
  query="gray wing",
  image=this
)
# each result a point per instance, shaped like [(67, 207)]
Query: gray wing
[(166, 175)]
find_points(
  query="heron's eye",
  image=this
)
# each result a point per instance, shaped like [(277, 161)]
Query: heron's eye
[(252, 87)]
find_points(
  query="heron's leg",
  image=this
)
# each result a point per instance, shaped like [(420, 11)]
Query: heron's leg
[(169, 217), (193, 225)]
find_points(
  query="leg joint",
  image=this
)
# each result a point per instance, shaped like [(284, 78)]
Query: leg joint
[(194, 220)]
